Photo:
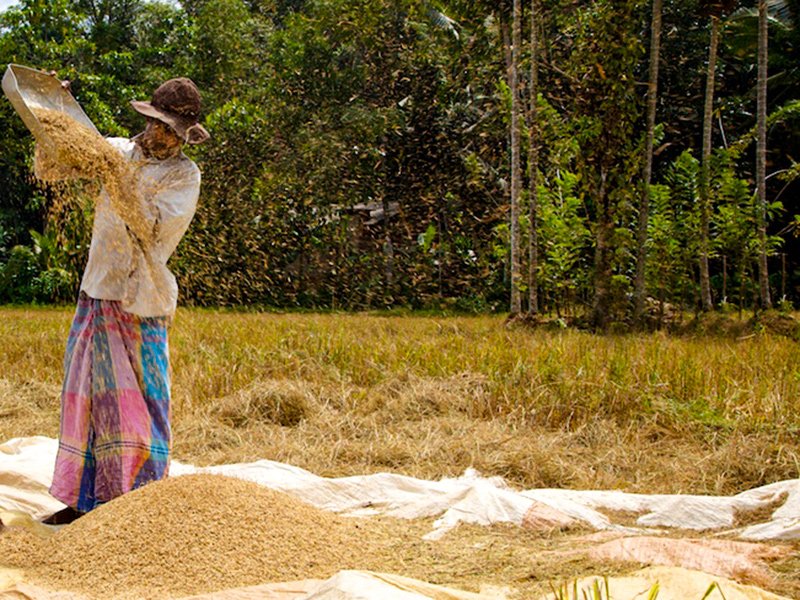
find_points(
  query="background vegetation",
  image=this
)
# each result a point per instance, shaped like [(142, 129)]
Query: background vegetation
[(361, 151)]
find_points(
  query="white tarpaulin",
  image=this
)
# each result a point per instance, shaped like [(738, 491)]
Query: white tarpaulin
[(673, 584), (349, 585), (26, 469), (345, 585), (728, 558)]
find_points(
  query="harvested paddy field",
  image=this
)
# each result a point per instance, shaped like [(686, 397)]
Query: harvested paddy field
[(430, 397)]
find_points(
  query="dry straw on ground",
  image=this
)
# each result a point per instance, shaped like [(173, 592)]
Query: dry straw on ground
[(428, 397)]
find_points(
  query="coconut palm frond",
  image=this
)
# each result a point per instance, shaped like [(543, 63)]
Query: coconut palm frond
[(779, 14), (781, 10), (442, 21), (741, 38)]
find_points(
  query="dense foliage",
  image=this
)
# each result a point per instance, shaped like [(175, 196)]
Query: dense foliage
[(360, 149)]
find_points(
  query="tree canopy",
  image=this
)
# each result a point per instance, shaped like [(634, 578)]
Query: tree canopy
[(360, 153)]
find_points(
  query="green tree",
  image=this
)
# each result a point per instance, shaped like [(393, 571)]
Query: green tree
[(639, 290), (761, 155), (533, 165), (600, 65), (516, 164), (565, 239)]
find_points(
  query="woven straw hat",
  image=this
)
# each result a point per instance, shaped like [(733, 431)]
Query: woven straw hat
[(177, 103)]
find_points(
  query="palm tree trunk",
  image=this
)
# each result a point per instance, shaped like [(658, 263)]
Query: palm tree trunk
[(516, 170), (533, 167), (388, 253), (639, 289), (705, 208), (602, 258), (761, 155)]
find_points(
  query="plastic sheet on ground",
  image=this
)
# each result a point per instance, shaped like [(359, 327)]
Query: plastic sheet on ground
[(541, 517), (24, 591), (673, 584), (349, 585), (345, 585), (727, 558), (9, 577), (13, 587), (26, 469)]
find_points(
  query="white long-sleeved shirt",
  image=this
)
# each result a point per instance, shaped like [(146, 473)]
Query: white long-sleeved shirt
[(117, 268)]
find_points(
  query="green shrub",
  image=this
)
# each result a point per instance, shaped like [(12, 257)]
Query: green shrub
[(17, 275), (55, 286)]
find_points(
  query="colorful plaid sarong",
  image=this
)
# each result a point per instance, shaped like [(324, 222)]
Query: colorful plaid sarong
[(115, 405)]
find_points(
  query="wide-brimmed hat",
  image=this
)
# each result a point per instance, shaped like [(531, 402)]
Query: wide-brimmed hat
[(177, 103)]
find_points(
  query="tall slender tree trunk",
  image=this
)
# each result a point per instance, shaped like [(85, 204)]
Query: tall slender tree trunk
[(516, 169), (512, 53), (761, 155), (533, 167), (639, 288), (724, 278), (388, 252), (388, 246), (505, 31), (601, 303), (705, 203)]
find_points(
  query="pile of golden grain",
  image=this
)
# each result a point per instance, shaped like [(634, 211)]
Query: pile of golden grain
[(191, 534)]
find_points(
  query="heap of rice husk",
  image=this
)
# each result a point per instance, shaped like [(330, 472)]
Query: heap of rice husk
[(83, 153), (190, 534)]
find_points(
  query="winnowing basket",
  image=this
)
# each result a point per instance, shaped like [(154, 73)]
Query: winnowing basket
[(30, 89)]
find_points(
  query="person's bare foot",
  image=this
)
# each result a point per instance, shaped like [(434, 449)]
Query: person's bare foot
[(63, 517)]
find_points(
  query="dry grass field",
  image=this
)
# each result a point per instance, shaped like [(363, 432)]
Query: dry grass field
[(343, 394)]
